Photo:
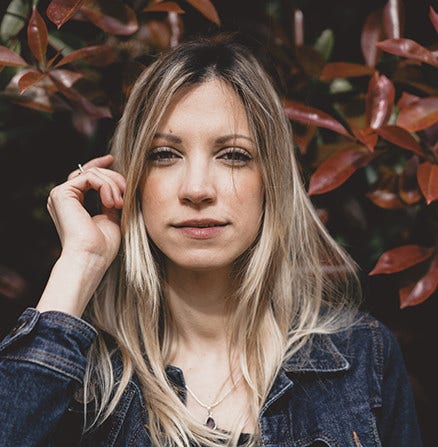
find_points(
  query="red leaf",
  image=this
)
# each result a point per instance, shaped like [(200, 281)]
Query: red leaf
[(164, 7), (102, 53), (408, 186), (10, 58), (303, 138), (406, 99), (79, 100), (337, 169), (309, 115), (52, 59), (66, 77), (386, 190), (372, 32), (427, 176), (298, 27), (176, 28), (366, 136), (113, 17), (40, 97), (345, 70), (433, 18), (393, 18), (379, 100), (157, 33), (410, 49), (60, 11), (28, 79), (400, 137), (323, 215), (310, 60), (419, 114), (206, 8), (386, 199), (37, 36), (83, 122), (12, 285), (419, 292), (401, 258)]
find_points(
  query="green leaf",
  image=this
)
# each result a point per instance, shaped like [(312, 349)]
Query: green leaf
[(325, 43), (14, 19)]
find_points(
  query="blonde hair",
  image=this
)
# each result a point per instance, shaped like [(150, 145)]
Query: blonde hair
[(294, 282)]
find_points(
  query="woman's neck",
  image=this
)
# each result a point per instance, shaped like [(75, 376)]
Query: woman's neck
[(197, 301)]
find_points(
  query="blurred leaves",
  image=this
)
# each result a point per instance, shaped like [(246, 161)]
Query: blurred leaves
[(60, 11), (309, 115), (409, 49), (14, 19), (383, 125), (338, 168), (366, 130), (401, 258), (206, 8)]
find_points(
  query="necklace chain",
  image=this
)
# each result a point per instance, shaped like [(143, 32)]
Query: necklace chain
[(210, 422)]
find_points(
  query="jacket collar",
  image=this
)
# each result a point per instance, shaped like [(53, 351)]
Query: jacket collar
[(321, 355)]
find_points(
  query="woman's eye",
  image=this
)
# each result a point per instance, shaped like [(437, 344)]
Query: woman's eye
[(162, 155), (236, 156)]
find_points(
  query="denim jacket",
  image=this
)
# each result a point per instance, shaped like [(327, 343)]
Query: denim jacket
[(350, 390)]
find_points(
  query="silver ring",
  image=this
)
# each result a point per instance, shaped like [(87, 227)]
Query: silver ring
[(81, 169)]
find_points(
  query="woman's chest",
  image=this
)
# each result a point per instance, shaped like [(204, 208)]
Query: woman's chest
[(300, 417)]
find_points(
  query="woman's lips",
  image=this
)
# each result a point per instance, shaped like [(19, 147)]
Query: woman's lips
[(201, 229)]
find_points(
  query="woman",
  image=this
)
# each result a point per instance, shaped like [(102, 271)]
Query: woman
[(225, 312)]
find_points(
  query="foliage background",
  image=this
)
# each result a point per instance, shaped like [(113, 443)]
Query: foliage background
[(374, 204)]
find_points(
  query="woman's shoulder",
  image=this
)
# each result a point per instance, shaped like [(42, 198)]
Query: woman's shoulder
[(370, 339), (366, 343)]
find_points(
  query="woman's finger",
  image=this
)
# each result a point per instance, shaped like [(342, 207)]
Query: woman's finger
[(115, 182), (79, 185), (100, 162)]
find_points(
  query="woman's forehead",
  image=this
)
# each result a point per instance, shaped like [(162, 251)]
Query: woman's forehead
[(210, 104)]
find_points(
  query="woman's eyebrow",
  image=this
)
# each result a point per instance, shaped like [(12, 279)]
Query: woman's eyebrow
[(168, 137), (221, 140), (227, 138)]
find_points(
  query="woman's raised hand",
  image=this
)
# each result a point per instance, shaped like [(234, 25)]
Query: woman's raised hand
[(89, 243), (81, 234)]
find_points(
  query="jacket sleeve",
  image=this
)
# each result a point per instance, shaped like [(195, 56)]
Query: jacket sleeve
[(42, 364), (397, 419)]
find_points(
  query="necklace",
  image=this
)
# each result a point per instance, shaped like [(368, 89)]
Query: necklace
[(209, 421)]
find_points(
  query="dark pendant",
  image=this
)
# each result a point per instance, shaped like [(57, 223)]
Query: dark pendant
[(210, 423)]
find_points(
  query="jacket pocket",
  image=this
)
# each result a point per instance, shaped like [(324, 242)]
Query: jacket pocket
[(321, 439), (317, 440)]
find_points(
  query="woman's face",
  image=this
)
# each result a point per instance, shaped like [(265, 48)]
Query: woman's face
[(202, 194)]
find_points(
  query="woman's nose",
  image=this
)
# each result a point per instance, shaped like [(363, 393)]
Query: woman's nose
[(197, 183)]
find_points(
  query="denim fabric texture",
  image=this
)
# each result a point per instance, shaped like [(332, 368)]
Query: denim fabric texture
[(349, 389)]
